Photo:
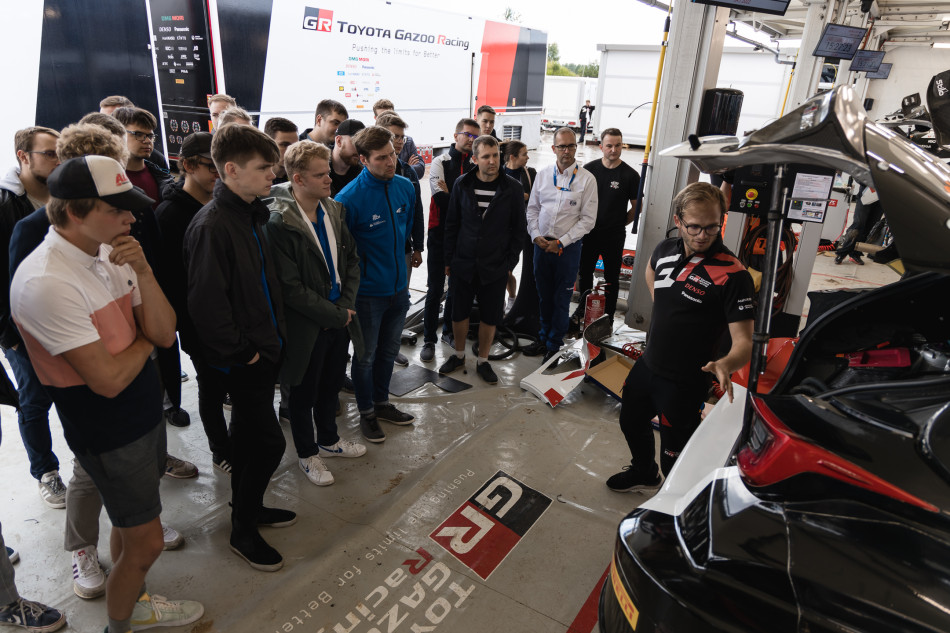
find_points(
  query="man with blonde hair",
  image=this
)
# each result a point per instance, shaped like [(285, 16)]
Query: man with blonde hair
[(699, 291), (217, 104), (319, 275), (109, 104), (234, 114)]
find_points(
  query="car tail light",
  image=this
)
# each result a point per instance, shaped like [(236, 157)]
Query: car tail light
[(572, 122), (775, 453)]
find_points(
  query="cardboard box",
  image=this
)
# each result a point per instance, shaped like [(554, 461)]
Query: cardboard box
[(610, 374)]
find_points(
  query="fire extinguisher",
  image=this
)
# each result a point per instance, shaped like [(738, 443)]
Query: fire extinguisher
[(595, 304)]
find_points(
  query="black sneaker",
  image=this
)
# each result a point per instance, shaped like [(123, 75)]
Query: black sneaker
[(451, 364), (449, 339), (176, 416), (427, 355), (548, 355), (221, 464), (535, 349), (484, 370), (838, 259), (32, 616), (255, 550), (275, 517), (348, 385), (369, 426), (630, 480), (389, 413), (283, 414), (401, 360), (857, 259)]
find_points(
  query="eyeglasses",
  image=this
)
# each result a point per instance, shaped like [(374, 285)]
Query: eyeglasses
[(469, 135), (142, 136), (564, 148), (50, 154), (209, 166), (399, 138), (696, 229)]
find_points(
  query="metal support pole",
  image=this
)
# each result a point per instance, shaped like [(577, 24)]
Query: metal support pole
[(763, 315)]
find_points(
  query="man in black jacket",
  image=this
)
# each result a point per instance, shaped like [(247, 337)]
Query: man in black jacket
[(182, 202), (235, 303), (22, 191), (484, 230), (442, 174)]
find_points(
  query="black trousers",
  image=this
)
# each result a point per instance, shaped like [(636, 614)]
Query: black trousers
[(646, 395), (609, 245), (864, 219), (257, 442), (314, 400), (212, 389), (169, 370), (435, 267)]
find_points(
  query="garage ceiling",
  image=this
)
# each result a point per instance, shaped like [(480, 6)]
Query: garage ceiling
[(899, 22)]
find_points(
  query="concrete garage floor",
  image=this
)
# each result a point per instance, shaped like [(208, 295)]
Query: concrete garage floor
[(490, 513)]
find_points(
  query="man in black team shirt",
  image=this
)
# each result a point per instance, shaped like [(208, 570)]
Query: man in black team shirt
[(344, 159), (699, 288), (617, 184)]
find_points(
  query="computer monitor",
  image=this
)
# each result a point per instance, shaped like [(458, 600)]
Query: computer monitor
[(867, 61), (775, 7), (839, 41), (882, 72)]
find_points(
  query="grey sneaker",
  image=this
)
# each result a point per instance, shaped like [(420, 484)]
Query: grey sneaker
[(179, 468), (53, 490), (369, 426), (389, 413), (402, 360), (427, 355)]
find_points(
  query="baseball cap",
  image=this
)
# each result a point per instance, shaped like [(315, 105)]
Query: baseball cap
[(96, 177), (350, 127), (197, 144)]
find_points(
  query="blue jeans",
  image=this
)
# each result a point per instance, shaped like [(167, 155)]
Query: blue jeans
[(33, 416), (555, 275), (382, 320)]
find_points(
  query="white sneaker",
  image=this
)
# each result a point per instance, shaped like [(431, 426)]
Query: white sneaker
[(316, 470), (509, 304), (152, 611), (53, 490), (172, 537), (89, 578), (343, 448)]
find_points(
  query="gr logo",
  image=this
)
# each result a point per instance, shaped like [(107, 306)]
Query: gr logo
[(486, 528), (317, 19)]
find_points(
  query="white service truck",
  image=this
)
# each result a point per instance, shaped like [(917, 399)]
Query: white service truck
[(563, 99)]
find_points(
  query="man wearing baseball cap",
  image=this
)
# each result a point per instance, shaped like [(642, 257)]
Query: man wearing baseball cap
[(182, 202), (345, 160), (90, 312)]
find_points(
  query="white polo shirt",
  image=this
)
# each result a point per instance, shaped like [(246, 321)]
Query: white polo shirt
[(62, 298)]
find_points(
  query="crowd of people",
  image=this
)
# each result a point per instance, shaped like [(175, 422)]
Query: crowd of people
[(273, 255)]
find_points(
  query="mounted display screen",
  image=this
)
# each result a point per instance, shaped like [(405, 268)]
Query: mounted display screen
[(839, 42), (867, 61), (775, 7), (882, 72)]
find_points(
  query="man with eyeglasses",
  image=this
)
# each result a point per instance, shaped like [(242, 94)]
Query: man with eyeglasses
[(22, 191), (443, 172), (699, 291), (140, 135), (561, 211)]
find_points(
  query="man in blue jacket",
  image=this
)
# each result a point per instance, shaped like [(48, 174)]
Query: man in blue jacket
[(379, 214)]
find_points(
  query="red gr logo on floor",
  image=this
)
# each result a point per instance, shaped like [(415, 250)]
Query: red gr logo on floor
[(484, 530)]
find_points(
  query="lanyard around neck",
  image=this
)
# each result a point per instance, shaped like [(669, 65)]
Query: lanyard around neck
[(568, 187)]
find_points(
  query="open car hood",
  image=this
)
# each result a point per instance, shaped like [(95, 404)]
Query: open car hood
[(831, 130)]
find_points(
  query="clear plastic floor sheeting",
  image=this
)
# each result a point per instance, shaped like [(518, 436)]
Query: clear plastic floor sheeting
[(489, 513)]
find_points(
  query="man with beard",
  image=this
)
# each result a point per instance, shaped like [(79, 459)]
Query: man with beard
[(345, 160)]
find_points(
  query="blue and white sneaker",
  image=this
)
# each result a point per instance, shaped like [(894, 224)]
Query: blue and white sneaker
[(316, 470), (343, 448), (32, 616)]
